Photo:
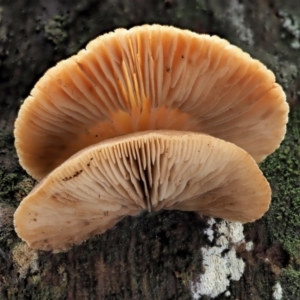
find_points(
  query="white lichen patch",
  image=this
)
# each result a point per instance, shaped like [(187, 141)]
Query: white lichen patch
[(25, 259), (235, 266), (220, 261), (232, 231), (249, 246), (277, 291), (227, 294), (209, 232)]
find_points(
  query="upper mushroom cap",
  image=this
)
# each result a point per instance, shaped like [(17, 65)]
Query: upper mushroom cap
[(145, 78), (99, 185)]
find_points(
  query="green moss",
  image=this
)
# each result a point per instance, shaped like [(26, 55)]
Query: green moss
[(290, 278), (14, 187), (55, 29), (283, 172), (283, 219), (7, 183), (34, 280), (14, 183)]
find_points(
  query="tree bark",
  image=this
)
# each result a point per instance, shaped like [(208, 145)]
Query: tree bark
[(153, 256)]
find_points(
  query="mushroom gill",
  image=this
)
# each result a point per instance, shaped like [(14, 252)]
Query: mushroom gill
[(101, 184), (148, 78)]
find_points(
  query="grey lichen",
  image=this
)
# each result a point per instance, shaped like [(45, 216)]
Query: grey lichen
[(236, 15), (291, 28)]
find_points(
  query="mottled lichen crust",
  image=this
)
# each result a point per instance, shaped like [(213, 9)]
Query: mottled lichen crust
[(25, 259)]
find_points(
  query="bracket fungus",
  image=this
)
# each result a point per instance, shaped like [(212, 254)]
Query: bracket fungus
[(148, 78), (153, 118), (151, 170)]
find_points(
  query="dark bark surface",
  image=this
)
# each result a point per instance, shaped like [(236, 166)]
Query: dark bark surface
[(153, 256)]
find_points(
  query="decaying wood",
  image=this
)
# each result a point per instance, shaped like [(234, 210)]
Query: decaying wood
[(153, 256)]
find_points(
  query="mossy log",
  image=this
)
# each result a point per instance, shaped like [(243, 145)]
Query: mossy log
[(153, 256)]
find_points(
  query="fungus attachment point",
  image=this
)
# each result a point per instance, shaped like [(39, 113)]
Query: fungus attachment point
[(153, 170), (148, 78)]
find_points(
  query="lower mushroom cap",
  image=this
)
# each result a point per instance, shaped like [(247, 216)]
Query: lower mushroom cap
[(152, 170)]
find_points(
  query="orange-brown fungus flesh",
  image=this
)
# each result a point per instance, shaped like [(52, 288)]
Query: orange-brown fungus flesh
[(146, 78)]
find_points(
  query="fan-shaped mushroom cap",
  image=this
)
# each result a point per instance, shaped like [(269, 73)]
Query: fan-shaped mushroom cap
[(146, 78), (101, 184)]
